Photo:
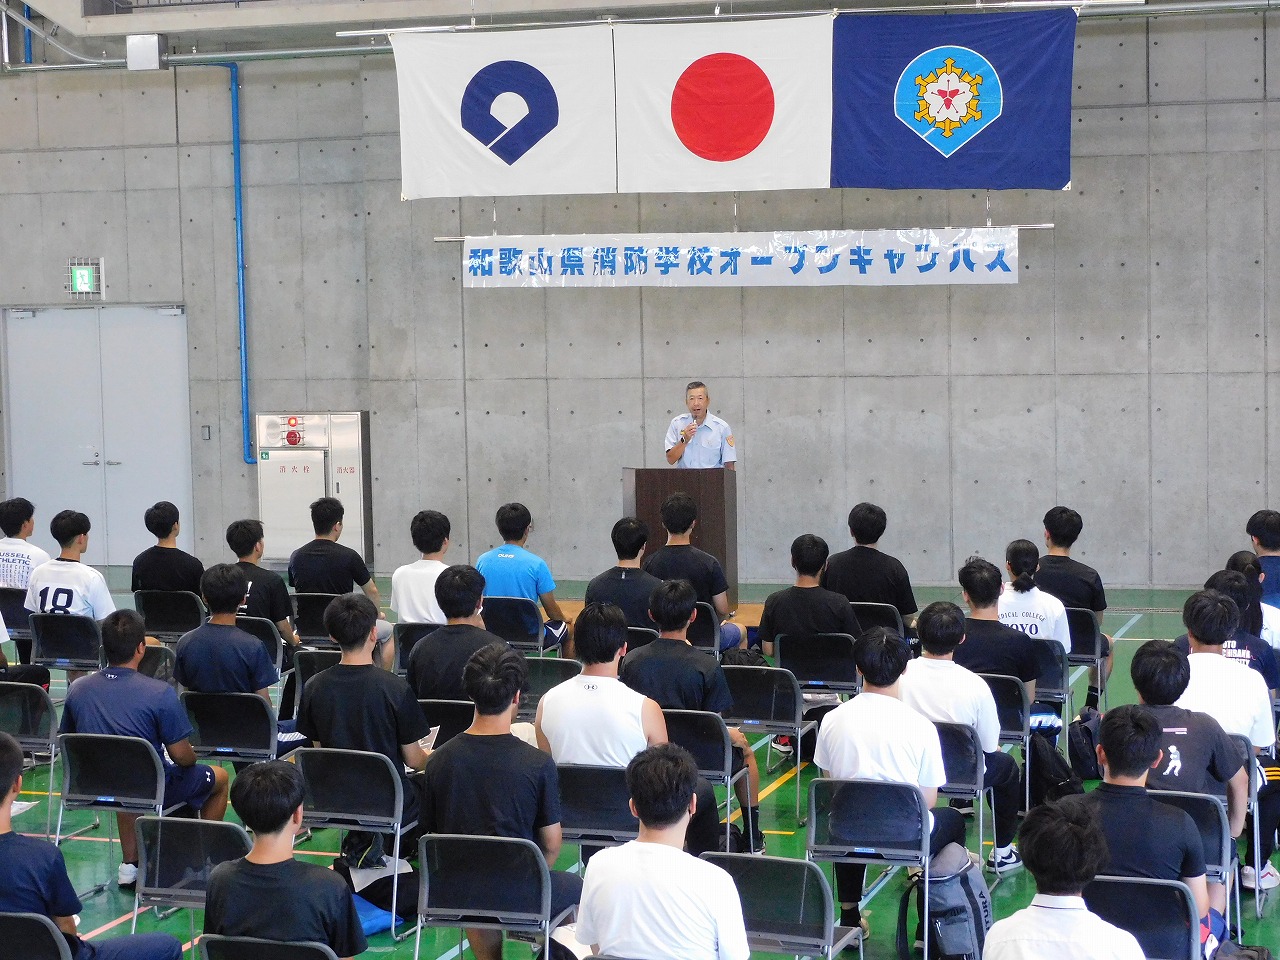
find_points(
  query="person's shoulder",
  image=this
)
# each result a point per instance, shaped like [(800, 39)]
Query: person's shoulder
[(720, 422)]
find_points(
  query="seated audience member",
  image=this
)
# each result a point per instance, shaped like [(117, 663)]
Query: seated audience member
[(626, 585), (33, 879), (512, 570), (864, 574), (245, 896), (1024, 606), (438, 659), (164, 566), (20, 672), (875, 736), (989, 645), (1238, 699), (266, 595), (670, 671), (1263, 529), (357, 705), (485, 782), (1064, 848), (806, 608), (64, 584), (1242, 647), (943, 691), (217, 656), (650, 899), (18, 556), (1260, 619), (413, 586), (122, 702), (679, 559)]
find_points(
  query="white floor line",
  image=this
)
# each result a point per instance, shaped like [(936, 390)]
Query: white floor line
[(455, 952), (1125, 629), (1077, 673)]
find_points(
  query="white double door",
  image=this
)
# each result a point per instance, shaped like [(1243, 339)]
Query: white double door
[(98, 420)]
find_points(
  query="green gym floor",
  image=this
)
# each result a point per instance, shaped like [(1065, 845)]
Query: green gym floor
[(1134, 614)]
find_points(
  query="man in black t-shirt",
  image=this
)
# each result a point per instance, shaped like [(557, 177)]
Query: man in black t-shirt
[(627, 586), (266, 596), (164, 566), (865, 575), (806, 608), (245, 896), (989, 645), (436, 664), (486, 782)]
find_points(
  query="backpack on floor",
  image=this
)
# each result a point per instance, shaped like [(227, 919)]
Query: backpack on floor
[(1082, 744), (1051, 776), (737, 657), (960, 912)]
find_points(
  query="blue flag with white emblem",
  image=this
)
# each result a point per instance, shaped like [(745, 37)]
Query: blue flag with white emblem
[(977, 101)]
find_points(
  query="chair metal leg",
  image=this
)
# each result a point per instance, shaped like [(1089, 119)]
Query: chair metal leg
[(395, 889), (1026, 770), (924, 897)]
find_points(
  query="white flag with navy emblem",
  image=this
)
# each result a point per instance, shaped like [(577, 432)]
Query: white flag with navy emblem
[(506, 114)]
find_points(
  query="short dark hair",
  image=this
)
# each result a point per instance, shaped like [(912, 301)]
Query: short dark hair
[(1023, 557), (10, 763), (122, 631), (808, 554), (1063, 526), (326, 513), (1160, 673), (1265, 526), (160, 518), (66, 525), (981, 580), (661, 781), (1063, 846), (493, 676), (599, 632), (1211, 617), (881, 656), (694, 385), (458, 590), (679, 511), (266, 794), (1130, 736), (671, 604), (14, 512), (867, 523), (243, 536), (940, 627), (629, 536), (429, 529), (223, 587), (513, 520), (349, 619)]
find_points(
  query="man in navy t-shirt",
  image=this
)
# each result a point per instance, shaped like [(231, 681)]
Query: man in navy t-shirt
[(121, 702), (219, 657), (512, 571), (1263, 529), (33, 879), (1242, 646)]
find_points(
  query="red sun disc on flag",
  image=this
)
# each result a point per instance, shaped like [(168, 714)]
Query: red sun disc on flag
[(722, 106)]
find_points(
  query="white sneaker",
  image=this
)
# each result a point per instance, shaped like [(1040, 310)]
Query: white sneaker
[(1270, 878), (127, 875)]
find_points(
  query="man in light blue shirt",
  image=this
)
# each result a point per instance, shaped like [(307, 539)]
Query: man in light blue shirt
[(512, 571), (698, 438)]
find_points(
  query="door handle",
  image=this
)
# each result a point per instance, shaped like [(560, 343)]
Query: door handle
[(90, 463), (113, 463)]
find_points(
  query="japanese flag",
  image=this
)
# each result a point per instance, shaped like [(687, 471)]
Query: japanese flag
[(724, 106), (506, 114)]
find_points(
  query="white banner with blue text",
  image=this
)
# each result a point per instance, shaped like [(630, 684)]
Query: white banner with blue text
[(782, 258)]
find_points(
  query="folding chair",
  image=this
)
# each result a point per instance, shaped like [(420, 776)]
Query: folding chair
[(354, 790), (594, 805), (406, 635), (1251, 764), (638, 637), (487, 883), (1053, 681), (175, 858), (705, 735), (306, 664), (544, 673), (704, 632), (27, 714), (214, 947), (870, 822), (1014, 709), (1220, 854), (518, 621), (66, 641), (160, 663), (17, 618), (1086, 644), (878, 615), (787, 905), (964, 759), (768, 700), (451, 716), (168, 614), (1161, 914), (240, 727), (32, 936), (820, 662), (269, 634), (308, 618), (104, 772)]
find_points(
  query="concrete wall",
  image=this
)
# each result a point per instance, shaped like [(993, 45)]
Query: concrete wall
[(1129, 373)]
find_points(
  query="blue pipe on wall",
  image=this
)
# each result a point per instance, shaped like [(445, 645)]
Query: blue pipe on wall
[(26, 36)]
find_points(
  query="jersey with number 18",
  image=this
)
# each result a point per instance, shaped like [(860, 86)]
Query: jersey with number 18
[(69, 586)]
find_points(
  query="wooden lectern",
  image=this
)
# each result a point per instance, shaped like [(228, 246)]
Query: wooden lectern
[(716, 493)]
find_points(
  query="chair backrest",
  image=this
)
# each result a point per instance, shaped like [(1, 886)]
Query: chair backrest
[(231, 726), (1086, 638), (350, 789), (594, 804), (66, 641), (32, 936), (308, 616), (117, 773), (1161, 914), (765, 699), (451, 716), (1053, 671), (878, 615), (704, 632), (500, 881), (176, 855), (1210, 816), (704, 735), (516, 620), (159, 663), (963, 758), (268, 633), (638, 637), (867, 821), (786, 902), (545, 673), (13, 608), (27, 714), (307, 663), (823, 660), (1012, 705), (169, 612), (407, 634), (1245, 747), (213, 947)]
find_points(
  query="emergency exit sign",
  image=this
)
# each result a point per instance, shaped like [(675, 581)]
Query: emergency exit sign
[(84, 278)]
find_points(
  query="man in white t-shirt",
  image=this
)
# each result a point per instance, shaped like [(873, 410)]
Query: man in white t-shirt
[(413, 586), (875, 736), (945, 692), (18, 557), (1026, 607), (650, 900)]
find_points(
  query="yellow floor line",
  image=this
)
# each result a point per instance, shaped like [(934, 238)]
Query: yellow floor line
[(772, 787)]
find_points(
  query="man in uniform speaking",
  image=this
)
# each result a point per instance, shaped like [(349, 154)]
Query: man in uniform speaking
[(699, 439)]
